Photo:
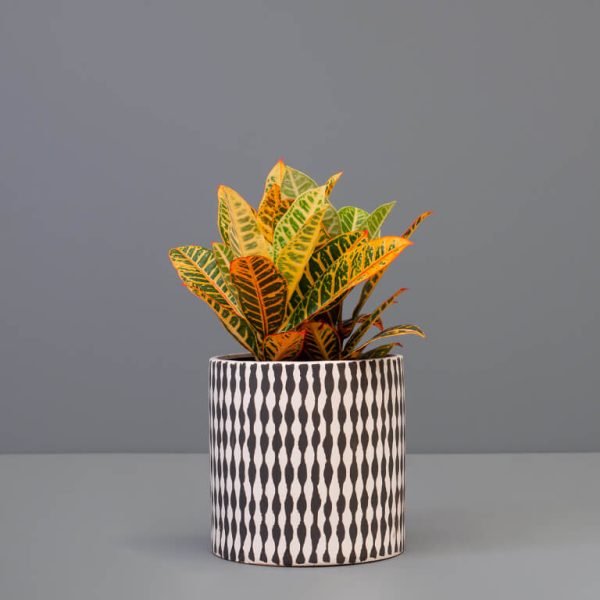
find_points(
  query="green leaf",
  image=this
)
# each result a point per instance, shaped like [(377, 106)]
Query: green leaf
[(391, 332), (321, 342), (377, 217), (372, 318), (367, 259), (295, 183), (261, 292), (352, 218)]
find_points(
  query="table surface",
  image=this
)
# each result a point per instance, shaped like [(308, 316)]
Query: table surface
[(137, 526)]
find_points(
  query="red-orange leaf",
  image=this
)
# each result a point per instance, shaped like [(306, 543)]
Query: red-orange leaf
[(283, 346), (322, 341), (261, 291)]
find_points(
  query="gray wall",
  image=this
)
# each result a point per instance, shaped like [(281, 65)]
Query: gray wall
[(119, 118)]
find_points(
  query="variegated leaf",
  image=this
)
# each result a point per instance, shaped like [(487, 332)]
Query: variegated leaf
[(322, 259), (197, 266), (330, 226), (275, 176), (198, 269), (294, 256), (365, 293), (235, 324), (223, 255), (223, 218), (261, 292), (395, 331), (303, 207), (332, 182), (369, 286), (295, 183), (282, 207), (322, 341), (367, 259), (331, 221), (352, 218), (377, 217), (324, 237), (376, 322), (333, 315), (416, 223), (349, 324), (245, 237), (380, 351), (284, 346), (269, 206), (267, 211), (370, 320)]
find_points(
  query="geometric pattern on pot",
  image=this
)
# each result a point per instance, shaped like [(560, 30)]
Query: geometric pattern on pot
[(307, 460)]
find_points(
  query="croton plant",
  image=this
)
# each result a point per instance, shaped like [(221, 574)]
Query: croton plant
[(278, 279)]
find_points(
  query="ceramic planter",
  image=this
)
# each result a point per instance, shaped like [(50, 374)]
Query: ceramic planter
[(307, 460)]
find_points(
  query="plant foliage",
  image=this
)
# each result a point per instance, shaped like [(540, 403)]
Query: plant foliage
[(278, 279)]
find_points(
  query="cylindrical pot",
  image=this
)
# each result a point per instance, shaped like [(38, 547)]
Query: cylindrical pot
[(307, 460)]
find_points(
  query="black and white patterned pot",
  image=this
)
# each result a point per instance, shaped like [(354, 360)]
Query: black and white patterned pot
[(307, 460)]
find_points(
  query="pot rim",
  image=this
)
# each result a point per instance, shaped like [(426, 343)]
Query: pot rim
[(249, 359)]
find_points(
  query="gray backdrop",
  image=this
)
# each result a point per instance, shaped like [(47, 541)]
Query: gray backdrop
[(118, 119)]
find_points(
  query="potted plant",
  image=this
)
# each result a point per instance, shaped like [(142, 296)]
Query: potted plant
[(307, 430)]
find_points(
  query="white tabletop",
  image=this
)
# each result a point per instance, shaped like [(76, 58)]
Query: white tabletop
[(136, 526)]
